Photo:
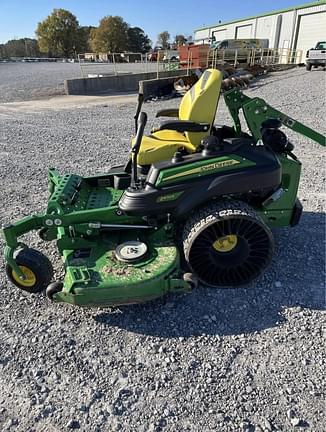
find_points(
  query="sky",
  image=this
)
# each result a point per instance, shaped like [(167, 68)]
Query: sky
[(19, 18)]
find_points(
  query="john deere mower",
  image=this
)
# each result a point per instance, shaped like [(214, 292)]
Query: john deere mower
[(194, 202)]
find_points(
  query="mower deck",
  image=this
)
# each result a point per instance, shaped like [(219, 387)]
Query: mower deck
[(95, 276)]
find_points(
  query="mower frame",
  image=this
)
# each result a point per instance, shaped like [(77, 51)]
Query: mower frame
[(282, 208)]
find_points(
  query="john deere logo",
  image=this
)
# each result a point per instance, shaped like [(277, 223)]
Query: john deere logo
[(202, 168), (221, 164)]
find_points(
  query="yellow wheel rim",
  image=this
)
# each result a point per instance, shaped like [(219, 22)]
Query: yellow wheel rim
[(226, 243), (29, 275)]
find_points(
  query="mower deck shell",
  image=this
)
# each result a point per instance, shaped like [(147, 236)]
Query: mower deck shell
[(95, 277)]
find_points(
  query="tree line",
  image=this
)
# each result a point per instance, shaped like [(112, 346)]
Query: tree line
[(25, 47), (60, 35)]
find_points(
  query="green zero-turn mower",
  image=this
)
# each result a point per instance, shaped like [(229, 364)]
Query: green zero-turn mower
[(195, 202)]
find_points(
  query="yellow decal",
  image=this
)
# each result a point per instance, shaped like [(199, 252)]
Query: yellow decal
[(205, 168), (169, 197)]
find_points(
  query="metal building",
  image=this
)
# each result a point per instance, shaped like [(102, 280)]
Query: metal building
[(297, 27)]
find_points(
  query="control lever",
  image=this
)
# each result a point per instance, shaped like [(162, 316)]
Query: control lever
[(141, 123)]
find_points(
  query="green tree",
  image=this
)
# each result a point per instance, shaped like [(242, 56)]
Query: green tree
[(58, 34), (163, 39), (25, 47), (138, 41), (111, 35), (180, 39), (84, 39)]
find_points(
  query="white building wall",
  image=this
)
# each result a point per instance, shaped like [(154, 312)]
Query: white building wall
[(201, 35), (317, 32), (267, 27), (287, 28), (264, 27), (310, 31), (231, 29), (312, 9)]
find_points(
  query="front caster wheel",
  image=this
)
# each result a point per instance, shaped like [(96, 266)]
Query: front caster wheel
[(36, 268), (53, 288), (191, 279), (226, 244)]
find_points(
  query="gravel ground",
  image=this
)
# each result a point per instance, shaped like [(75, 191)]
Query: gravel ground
[(31, 81), (25, 81), (248, 359)]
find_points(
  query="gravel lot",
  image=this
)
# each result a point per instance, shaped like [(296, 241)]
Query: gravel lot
[(24, 81), (215, 360), (31, 81)]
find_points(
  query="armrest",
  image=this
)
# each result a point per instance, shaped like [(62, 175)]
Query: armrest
[(169, 112), (184, 126)]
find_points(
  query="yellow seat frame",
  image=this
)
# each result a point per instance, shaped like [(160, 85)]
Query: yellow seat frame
[(198, 105)]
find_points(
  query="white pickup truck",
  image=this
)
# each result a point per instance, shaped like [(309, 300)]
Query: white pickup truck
[(316, 56)]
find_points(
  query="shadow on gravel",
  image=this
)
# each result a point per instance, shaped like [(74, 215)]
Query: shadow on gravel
[(295, 278)]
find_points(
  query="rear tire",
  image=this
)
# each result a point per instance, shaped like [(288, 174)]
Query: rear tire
[(227, 244), (308, 66), (36, 267)]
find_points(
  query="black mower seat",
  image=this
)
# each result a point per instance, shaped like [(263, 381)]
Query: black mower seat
[(196, 117)]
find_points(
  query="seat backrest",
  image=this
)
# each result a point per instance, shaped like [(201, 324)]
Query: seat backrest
[(199, 104)]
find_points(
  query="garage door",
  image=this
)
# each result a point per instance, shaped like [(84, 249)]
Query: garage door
[(311, 29), (219, 35), (243, 32)]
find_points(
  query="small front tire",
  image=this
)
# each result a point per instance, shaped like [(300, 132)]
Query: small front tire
[(36, 268)]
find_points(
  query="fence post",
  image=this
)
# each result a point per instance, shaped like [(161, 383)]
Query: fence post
[(158, 64), (189, 62), (81, 69), (235, 58), (114, 65), (248, 56), (300, 56)]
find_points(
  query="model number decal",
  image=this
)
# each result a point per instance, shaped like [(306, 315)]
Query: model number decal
[(169, 197)]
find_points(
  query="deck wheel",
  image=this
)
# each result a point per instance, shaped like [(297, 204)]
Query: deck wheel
[(36, 268)]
